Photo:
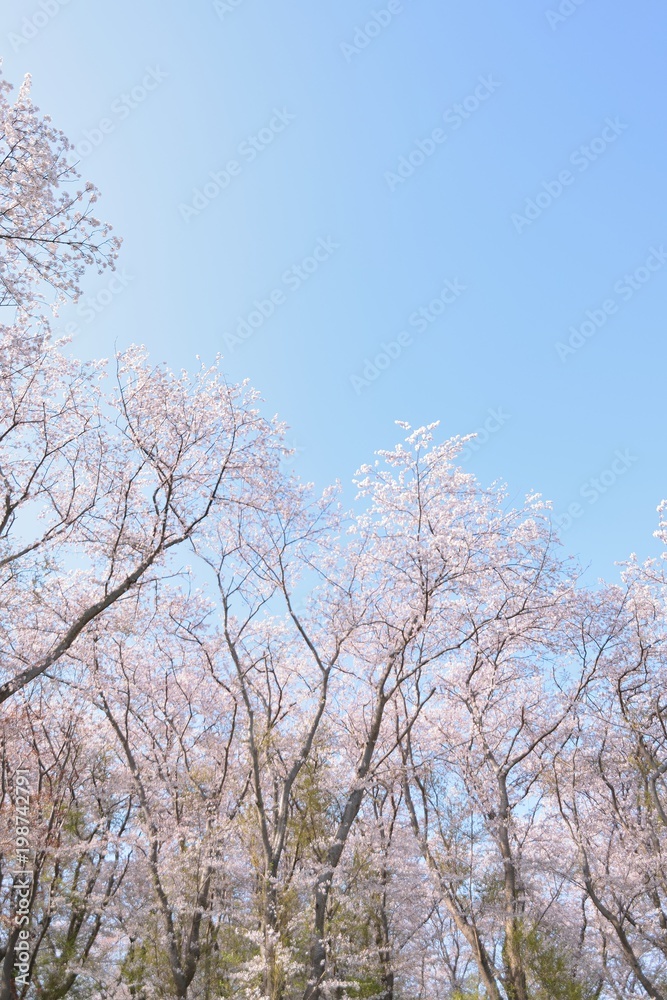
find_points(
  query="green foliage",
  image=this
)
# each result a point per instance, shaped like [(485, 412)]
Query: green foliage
[(146, 966), (551, 971), (364, 988)]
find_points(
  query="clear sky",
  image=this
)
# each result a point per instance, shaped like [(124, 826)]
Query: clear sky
[(418, 211)]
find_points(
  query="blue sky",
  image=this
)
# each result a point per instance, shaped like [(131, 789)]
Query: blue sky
[(451, 190)]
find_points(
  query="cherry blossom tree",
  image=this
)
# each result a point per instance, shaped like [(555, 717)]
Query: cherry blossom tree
[(473, 792), (173, 738), (76, 855), (610, 784), (100, 487), (437, 560), (48, 232)]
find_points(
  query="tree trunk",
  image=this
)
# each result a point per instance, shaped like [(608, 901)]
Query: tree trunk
[(8, 986), (515, 973), (274, 984)]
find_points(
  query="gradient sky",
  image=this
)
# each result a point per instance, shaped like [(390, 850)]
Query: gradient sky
[(570, 114)]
